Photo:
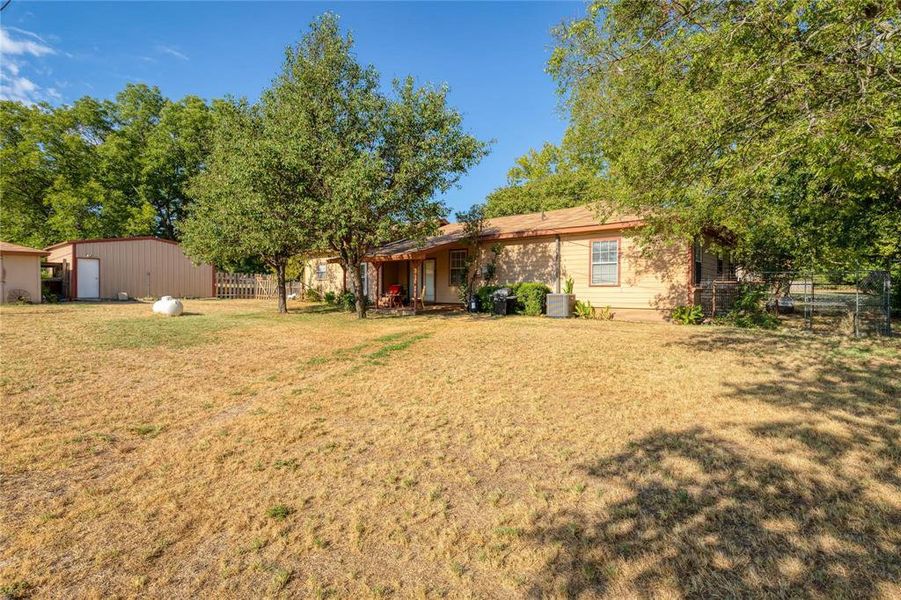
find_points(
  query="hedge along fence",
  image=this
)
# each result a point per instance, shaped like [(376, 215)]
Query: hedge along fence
[(531, 297)]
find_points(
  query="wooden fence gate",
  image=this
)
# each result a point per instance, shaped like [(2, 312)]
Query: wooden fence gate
[(239, 285)]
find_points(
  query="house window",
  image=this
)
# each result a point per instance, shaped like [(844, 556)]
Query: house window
[(321, 270), (457, 267), (699, 262), (605, 262), (719, 266)]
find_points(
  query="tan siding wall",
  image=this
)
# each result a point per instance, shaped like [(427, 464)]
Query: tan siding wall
[(20, 272), (334, 275), (649, 286), (652, 285), (445, 293), (143, 268), (535, 260)]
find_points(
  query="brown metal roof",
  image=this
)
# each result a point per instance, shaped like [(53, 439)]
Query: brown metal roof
[(580, 219), (121, 239), (7, 248)]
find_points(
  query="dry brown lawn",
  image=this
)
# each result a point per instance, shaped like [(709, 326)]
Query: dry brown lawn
[(237, 453)]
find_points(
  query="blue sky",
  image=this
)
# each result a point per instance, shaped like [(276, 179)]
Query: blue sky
[(492, 55)]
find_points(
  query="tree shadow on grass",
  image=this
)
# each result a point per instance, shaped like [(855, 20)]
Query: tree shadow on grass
[(708, 518), (790, 508)]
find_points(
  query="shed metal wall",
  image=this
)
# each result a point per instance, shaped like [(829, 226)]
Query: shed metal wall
[(142, 268)]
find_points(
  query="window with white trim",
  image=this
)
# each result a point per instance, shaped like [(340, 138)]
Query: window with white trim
[(605, 262), (321, 271), (699, 262), (457, 267)]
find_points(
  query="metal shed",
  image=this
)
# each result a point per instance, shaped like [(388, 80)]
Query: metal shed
[(141, 267)]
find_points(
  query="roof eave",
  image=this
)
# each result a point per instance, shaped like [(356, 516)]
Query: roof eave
[(533, 233)]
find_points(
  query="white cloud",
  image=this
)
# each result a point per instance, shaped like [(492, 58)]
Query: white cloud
[(171, 52), (14, 84), (34, 46)]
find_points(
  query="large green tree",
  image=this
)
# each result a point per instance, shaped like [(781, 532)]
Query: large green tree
[(99, 168), (780, 121), (373, 162), (544, 179), (53, 184), (250, 200)]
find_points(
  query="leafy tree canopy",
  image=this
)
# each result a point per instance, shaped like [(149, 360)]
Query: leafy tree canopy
[(99, 168), (250, 201), (370, 162), (543, 179), (778, 120)]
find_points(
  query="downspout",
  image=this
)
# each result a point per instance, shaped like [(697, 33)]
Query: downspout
[(557, 262)]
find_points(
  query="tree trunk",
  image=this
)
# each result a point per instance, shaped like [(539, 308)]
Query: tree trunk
[(282, 287), (359, 292)]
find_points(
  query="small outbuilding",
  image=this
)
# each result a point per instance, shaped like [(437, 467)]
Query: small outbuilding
[(21, 273), (141, 267)]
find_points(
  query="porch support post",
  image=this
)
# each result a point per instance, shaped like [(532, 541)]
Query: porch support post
[(415, 283), (378, 281)]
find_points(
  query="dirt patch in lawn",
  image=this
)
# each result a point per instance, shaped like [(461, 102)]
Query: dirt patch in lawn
[(238, 452)]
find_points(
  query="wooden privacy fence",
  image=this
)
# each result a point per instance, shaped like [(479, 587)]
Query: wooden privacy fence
[(239, 285)]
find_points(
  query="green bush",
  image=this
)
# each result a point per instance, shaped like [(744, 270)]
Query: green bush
[(750, 310), (584, 310), (348, 301), (530, 297), (687, 314), (603, 313), (330, 298), (313, 295), (484, 295)]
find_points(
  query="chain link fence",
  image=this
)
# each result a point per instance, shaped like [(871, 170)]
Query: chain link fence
[(855, 303)]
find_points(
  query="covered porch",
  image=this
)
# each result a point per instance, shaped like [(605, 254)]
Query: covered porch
[(415, 283)]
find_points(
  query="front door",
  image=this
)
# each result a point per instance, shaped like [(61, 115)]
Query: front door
[(426, 279), (428, 275), (88, 278)]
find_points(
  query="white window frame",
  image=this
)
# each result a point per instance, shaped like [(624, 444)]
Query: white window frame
[(461, 269), (598, 263), (698, 266), (321, 271)]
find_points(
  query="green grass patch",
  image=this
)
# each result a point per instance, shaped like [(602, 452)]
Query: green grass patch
[(146, 430), (279, 512), (155, 331), (398, 346), (190, 329)]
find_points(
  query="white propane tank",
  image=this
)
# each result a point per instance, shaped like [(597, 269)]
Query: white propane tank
[(168, 306)]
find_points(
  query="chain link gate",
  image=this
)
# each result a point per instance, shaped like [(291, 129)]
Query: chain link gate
[(855, 303)]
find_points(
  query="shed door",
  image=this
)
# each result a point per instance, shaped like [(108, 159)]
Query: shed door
[(88, 278)]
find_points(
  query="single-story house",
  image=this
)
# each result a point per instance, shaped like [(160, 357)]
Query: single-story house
[(21, 273), (603, 258), (142, 267)]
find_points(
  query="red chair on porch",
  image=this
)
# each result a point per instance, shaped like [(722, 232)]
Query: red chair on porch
[(394, 298)]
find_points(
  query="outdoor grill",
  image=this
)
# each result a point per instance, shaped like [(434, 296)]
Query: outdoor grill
[(504, 301)]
